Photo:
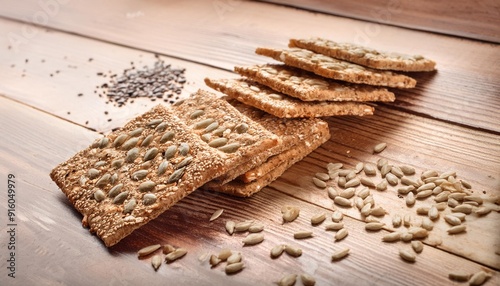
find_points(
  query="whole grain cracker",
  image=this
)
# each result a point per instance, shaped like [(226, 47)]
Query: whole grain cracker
[(307, 86), (337, 69), (365, 56), (281, 105)]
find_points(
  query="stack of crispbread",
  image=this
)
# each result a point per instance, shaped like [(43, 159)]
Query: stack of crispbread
[(236, 144), (321, 78)]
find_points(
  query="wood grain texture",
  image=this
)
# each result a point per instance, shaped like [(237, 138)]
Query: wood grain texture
[(59, 249), (478, 19), (225, 33)]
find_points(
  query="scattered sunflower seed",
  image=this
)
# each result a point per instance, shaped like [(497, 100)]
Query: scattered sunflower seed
[(417, 246), (230, 225), (129, 144), (374, 226), (148, 250), (258, 227), (370, 169), (318, 218), (115, 190), (396, 220), (99, 195), (397, 171), (216, 214), (319, 183), (146, 186), (234, 258), (359, 167), (277, 250), (342, 201), (162, 168), (176, 175), (156, 261), (230, 148), (149, 199), (288, 280), (457, 229), (334, 226), (407, 170), (167, 136), (139, 175), (392, 179), (459, 276), (322, 176), (341, 234), (339, 254), (367, 182), (407, 255), (253, 238), (293, 250), (379, 147), (391, 237), (130, 206), (466, 209), (410, 199), (176, 254), (302, 234), (290, 213), (479, 278), (234, 267), (120, 198), (167, 248), (214, 260), (242, 226), (382, 186), (352, 183), (307, 280), (332, 193)]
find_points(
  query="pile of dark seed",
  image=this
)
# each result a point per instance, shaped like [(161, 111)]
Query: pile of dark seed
[(160, 82)]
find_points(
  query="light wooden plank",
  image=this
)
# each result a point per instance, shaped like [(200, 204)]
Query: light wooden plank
[(478, 21), (54, 248), (225, 33)]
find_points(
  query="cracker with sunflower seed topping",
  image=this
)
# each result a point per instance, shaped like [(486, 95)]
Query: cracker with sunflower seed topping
[(291, 132), (126, 179), (365, 56), (307, 86), (337, 69), (281, 105)]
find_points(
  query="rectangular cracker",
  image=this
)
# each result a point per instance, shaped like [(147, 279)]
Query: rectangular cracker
[(90, 178), (290, 131), (337, 69), (228, 125), (272, 169), (307, 86), (365, 56), (281, 105)]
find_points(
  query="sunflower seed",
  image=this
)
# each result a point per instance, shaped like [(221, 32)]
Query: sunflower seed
[(130, 143), (363, 193), (433, 213), (161, 127), (104, 142), (397, 171), (378, 211), (234, 267), (99, 195), (184, 149), (459, 276), (258, 227), (302, 234), (230, 148), (479, 278), (350, 176), (453, 220), (129, 206), (423, 210), (120, 198), (146, 186), (211, 127), (234, 258), (407, 220), (483, 211), (405, 190), (224, 254), (289, 279), (374, 226), (391, 237), (457, 229), (319, 183), (290, 213), (359, 203), (149, 199), (366, 209), (322, 176), (339, 254), (410, 199), (167, 136), (381, 162), (334, 166), (409, 182), (216, 214), (230, 225), (214, 260), (186, 161), (117, 163), (457, 196), (176, 254), (342, 201), (156, 262), (113, 179), (406, 237), (386, 169), (217, 132), (103, 181), (341, 234), (448, 174), (476, 199), (197, 113), (162, 168), (307, 280), (466, 209), (379, 147), (396, 220), (427, 224), (253, 238), (150, 154), (382, 186), (218, 142), (417, 246), (203, 123), (359, 167), (367, 182), (176, 175), (93, 173), (318, 218), (348, 193), (148, 250), (442, 197), (392, 179), (132, 154), (407, 255), (407, 170), (119, 140), (341, 182), (242, 226), (332, 193), (277, 250), (293, 250), (465, 184), (170, 152), (241, 128), (334, 226), (136, 132), (418, 232), (370, 200), (428, 174)]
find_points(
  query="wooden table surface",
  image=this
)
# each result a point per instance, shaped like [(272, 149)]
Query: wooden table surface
[(449, 122)]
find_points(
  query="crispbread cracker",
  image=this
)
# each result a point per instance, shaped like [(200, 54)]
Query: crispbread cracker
[(365, 56), (281, 105), (98, 169), (228, 124), (337, 69), (275, 165), (291, 132), (307, 86)]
